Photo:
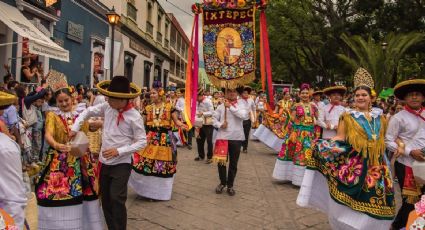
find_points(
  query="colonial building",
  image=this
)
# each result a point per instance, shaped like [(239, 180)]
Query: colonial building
[(67, 36), (144, 34), (179, 44), (82, 29)]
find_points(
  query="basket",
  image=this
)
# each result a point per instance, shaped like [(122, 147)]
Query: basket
[(31, 212), (95, 141)]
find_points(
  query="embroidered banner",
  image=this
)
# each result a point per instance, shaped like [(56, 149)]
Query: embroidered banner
[(229, 46)]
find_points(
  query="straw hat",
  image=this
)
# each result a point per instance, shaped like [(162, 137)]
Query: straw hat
[(119, 87), (404, 87), (6, 99), (335, 89)]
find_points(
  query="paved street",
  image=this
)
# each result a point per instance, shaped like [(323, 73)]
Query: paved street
[(259, 202)]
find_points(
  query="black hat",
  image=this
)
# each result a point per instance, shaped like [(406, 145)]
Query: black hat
[(240, 89), (404, 87), (247, 89), (119, 87)]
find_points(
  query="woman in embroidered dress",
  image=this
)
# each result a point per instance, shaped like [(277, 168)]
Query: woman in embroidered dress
[(66, 189), (154, 166), (348, 176), (298, 142)]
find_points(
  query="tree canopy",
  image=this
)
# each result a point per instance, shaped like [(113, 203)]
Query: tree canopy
[(310, 38)]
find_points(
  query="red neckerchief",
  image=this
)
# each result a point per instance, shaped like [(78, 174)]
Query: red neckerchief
[(333, 106), (416, 113), (120, 113), (233, 103)]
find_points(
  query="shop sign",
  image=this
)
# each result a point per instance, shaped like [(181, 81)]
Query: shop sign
[(140, 48), (75, 32)]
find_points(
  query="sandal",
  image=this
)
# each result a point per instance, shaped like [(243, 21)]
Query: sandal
[(231, 191), (219, 189)]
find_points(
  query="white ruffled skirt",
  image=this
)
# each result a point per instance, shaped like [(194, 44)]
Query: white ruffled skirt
[(86, 216), (287, 171), (152, 187), (314, 193), (265, 135)]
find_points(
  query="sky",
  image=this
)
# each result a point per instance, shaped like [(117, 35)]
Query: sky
[(183, 18)]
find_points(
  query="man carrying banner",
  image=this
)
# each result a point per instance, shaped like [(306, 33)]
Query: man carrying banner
[(228, 118)]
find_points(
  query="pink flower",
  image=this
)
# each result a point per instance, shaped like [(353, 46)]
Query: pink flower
[(420, 206), (58, 185), (300, 111), (373, 175), (349, 173)]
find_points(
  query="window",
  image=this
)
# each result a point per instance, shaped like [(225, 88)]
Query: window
[(159, 22), (167, 25), (149, 12), (131, 11)]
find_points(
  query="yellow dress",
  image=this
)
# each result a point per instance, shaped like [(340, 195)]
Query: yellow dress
[(65, 180), (159, 157)]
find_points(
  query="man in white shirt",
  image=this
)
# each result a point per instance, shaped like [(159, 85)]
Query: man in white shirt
[(123, 134), (248, 103), (317, 99), (330, 113), (204, 111), (406, 126), (12, 189), (228, 118)]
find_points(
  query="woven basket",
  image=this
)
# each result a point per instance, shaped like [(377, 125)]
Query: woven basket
[(31, 212), (95, 141)]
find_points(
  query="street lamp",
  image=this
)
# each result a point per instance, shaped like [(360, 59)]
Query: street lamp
[(113, 19)]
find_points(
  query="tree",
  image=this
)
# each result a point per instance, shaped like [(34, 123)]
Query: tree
[(381, 61)]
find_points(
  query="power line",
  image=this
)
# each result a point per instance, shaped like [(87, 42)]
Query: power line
[(177, 7)]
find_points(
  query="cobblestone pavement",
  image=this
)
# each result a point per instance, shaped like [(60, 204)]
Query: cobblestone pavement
[(259, 202)]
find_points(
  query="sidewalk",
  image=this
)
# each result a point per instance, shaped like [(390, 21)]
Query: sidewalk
[(259, 202)]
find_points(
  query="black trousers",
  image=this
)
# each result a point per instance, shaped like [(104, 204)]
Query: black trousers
[(227, 178), (113, 189), (189, 136), (246, 129), (400, 220), (205, 133)]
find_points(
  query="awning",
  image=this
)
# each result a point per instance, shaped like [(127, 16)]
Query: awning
[(38, 42)]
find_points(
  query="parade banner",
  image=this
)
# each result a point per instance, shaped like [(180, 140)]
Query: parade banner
[(229, 46)]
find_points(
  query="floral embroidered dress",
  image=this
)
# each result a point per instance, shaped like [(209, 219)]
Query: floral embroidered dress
[(298, 143), (350, 180), (273, 126), (66, 181), (154, 166)]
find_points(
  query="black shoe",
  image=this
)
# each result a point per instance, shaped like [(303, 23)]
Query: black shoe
[(245, 151), (219, 189), (189, 147), (209, 161), (231, 191), (199, 159)]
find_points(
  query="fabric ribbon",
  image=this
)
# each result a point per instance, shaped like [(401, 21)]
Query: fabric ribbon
[(265, 55), (410, 189), (191, 88), (416, 113), (120, 113)]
